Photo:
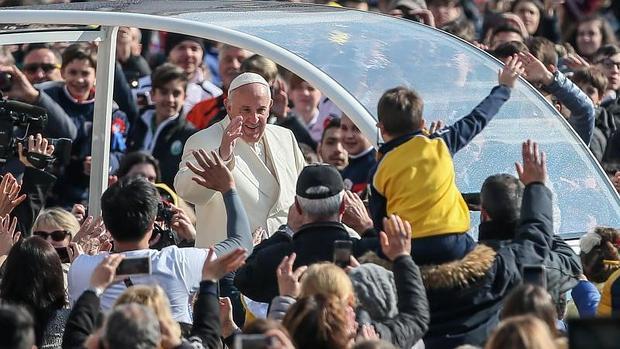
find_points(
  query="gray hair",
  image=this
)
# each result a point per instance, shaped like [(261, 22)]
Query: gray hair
[(320, 208), (132, 326)]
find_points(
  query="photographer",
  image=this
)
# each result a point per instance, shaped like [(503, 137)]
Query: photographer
[(16, 86), (36, 182)]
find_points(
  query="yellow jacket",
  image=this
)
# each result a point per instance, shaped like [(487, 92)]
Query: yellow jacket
[(610, 297), (417, 180)]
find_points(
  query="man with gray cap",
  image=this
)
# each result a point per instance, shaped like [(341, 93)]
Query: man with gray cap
[(264, 160)]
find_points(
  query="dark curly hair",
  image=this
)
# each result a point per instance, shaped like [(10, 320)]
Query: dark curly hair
[(593, 261)]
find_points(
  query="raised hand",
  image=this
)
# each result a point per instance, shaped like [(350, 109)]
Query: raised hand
[(509, 74), (396, 239), (211, 172), (436, 126), (38, 145), (534, 168), (8, 236), (104, 274), (575, 61), (215, 269), (227, 323), (355, 213), (9, 194), (21, 89), (75, 250), (182, 225), (535, 70), (280, 99), (229, 138), (90, 229), (288, 280), (79, 212)]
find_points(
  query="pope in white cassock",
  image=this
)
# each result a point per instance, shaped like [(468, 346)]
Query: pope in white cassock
[(265, 161)]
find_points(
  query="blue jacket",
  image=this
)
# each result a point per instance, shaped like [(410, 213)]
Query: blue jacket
[(586, 297), (580, 105), (456, 137)]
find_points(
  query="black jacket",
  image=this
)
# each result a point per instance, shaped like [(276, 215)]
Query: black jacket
[(411, 322), (466, 295), (36, 184), (169, 147), (86, 317), (563, 265), (312, 243)]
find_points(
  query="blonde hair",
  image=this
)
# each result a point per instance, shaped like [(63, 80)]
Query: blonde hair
[(57, 217), (327, 279), (521, 332), (155, 298)]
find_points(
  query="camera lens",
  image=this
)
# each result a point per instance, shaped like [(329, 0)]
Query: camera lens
[(6, 81)]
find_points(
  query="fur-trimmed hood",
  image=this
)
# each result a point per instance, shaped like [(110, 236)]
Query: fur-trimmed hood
[(460, 273), (456, 274)]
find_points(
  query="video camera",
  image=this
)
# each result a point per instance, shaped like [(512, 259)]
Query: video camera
[(17, 115)]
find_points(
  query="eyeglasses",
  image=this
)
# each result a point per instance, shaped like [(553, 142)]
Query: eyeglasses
[(57, 235), (609, 64), (34, 67)]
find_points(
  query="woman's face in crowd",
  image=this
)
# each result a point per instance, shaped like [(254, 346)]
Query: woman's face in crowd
[(589, 37), (145, 170), (79, 76), (611, 68), (529, 14), (445, 13), (305, 97), (44, 228)]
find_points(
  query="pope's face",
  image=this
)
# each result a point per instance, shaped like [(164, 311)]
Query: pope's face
[(252, 102)]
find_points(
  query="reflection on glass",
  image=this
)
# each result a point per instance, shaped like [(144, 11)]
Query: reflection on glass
[(452, 77)]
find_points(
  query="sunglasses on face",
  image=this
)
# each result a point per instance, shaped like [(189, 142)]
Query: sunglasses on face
[(34, 67), (610, 64), (57, 235)]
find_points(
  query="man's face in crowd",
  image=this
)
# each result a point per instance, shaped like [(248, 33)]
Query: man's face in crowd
[(123, 44), (230, 60), (188, 55), (41, 65), (252, 102), (169, 99), (503, 37), (79, 76), (305, 97), (331, 149), (352, 138), (145, 170), (592, 92), (611, 68), (589, 38)]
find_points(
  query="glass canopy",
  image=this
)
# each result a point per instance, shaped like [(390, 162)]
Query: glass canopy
[(368, 53)]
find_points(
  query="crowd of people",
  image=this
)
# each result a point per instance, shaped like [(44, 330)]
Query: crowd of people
[(245, 210)]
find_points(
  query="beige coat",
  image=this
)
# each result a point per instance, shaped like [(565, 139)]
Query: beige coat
[(266, 197)]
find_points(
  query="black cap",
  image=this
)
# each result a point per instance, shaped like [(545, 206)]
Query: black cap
[(316, 175), (173, 39)]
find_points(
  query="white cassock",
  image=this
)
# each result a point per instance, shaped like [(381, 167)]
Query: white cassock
[(265, 175)]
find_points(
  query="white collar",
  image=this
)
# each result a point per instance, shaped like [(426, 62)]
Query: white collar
[(364, 153)]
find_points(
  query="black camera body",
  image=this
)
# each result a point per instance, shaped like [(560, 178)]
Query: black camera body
[(6, 81), (167, 236), (16, 116)]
